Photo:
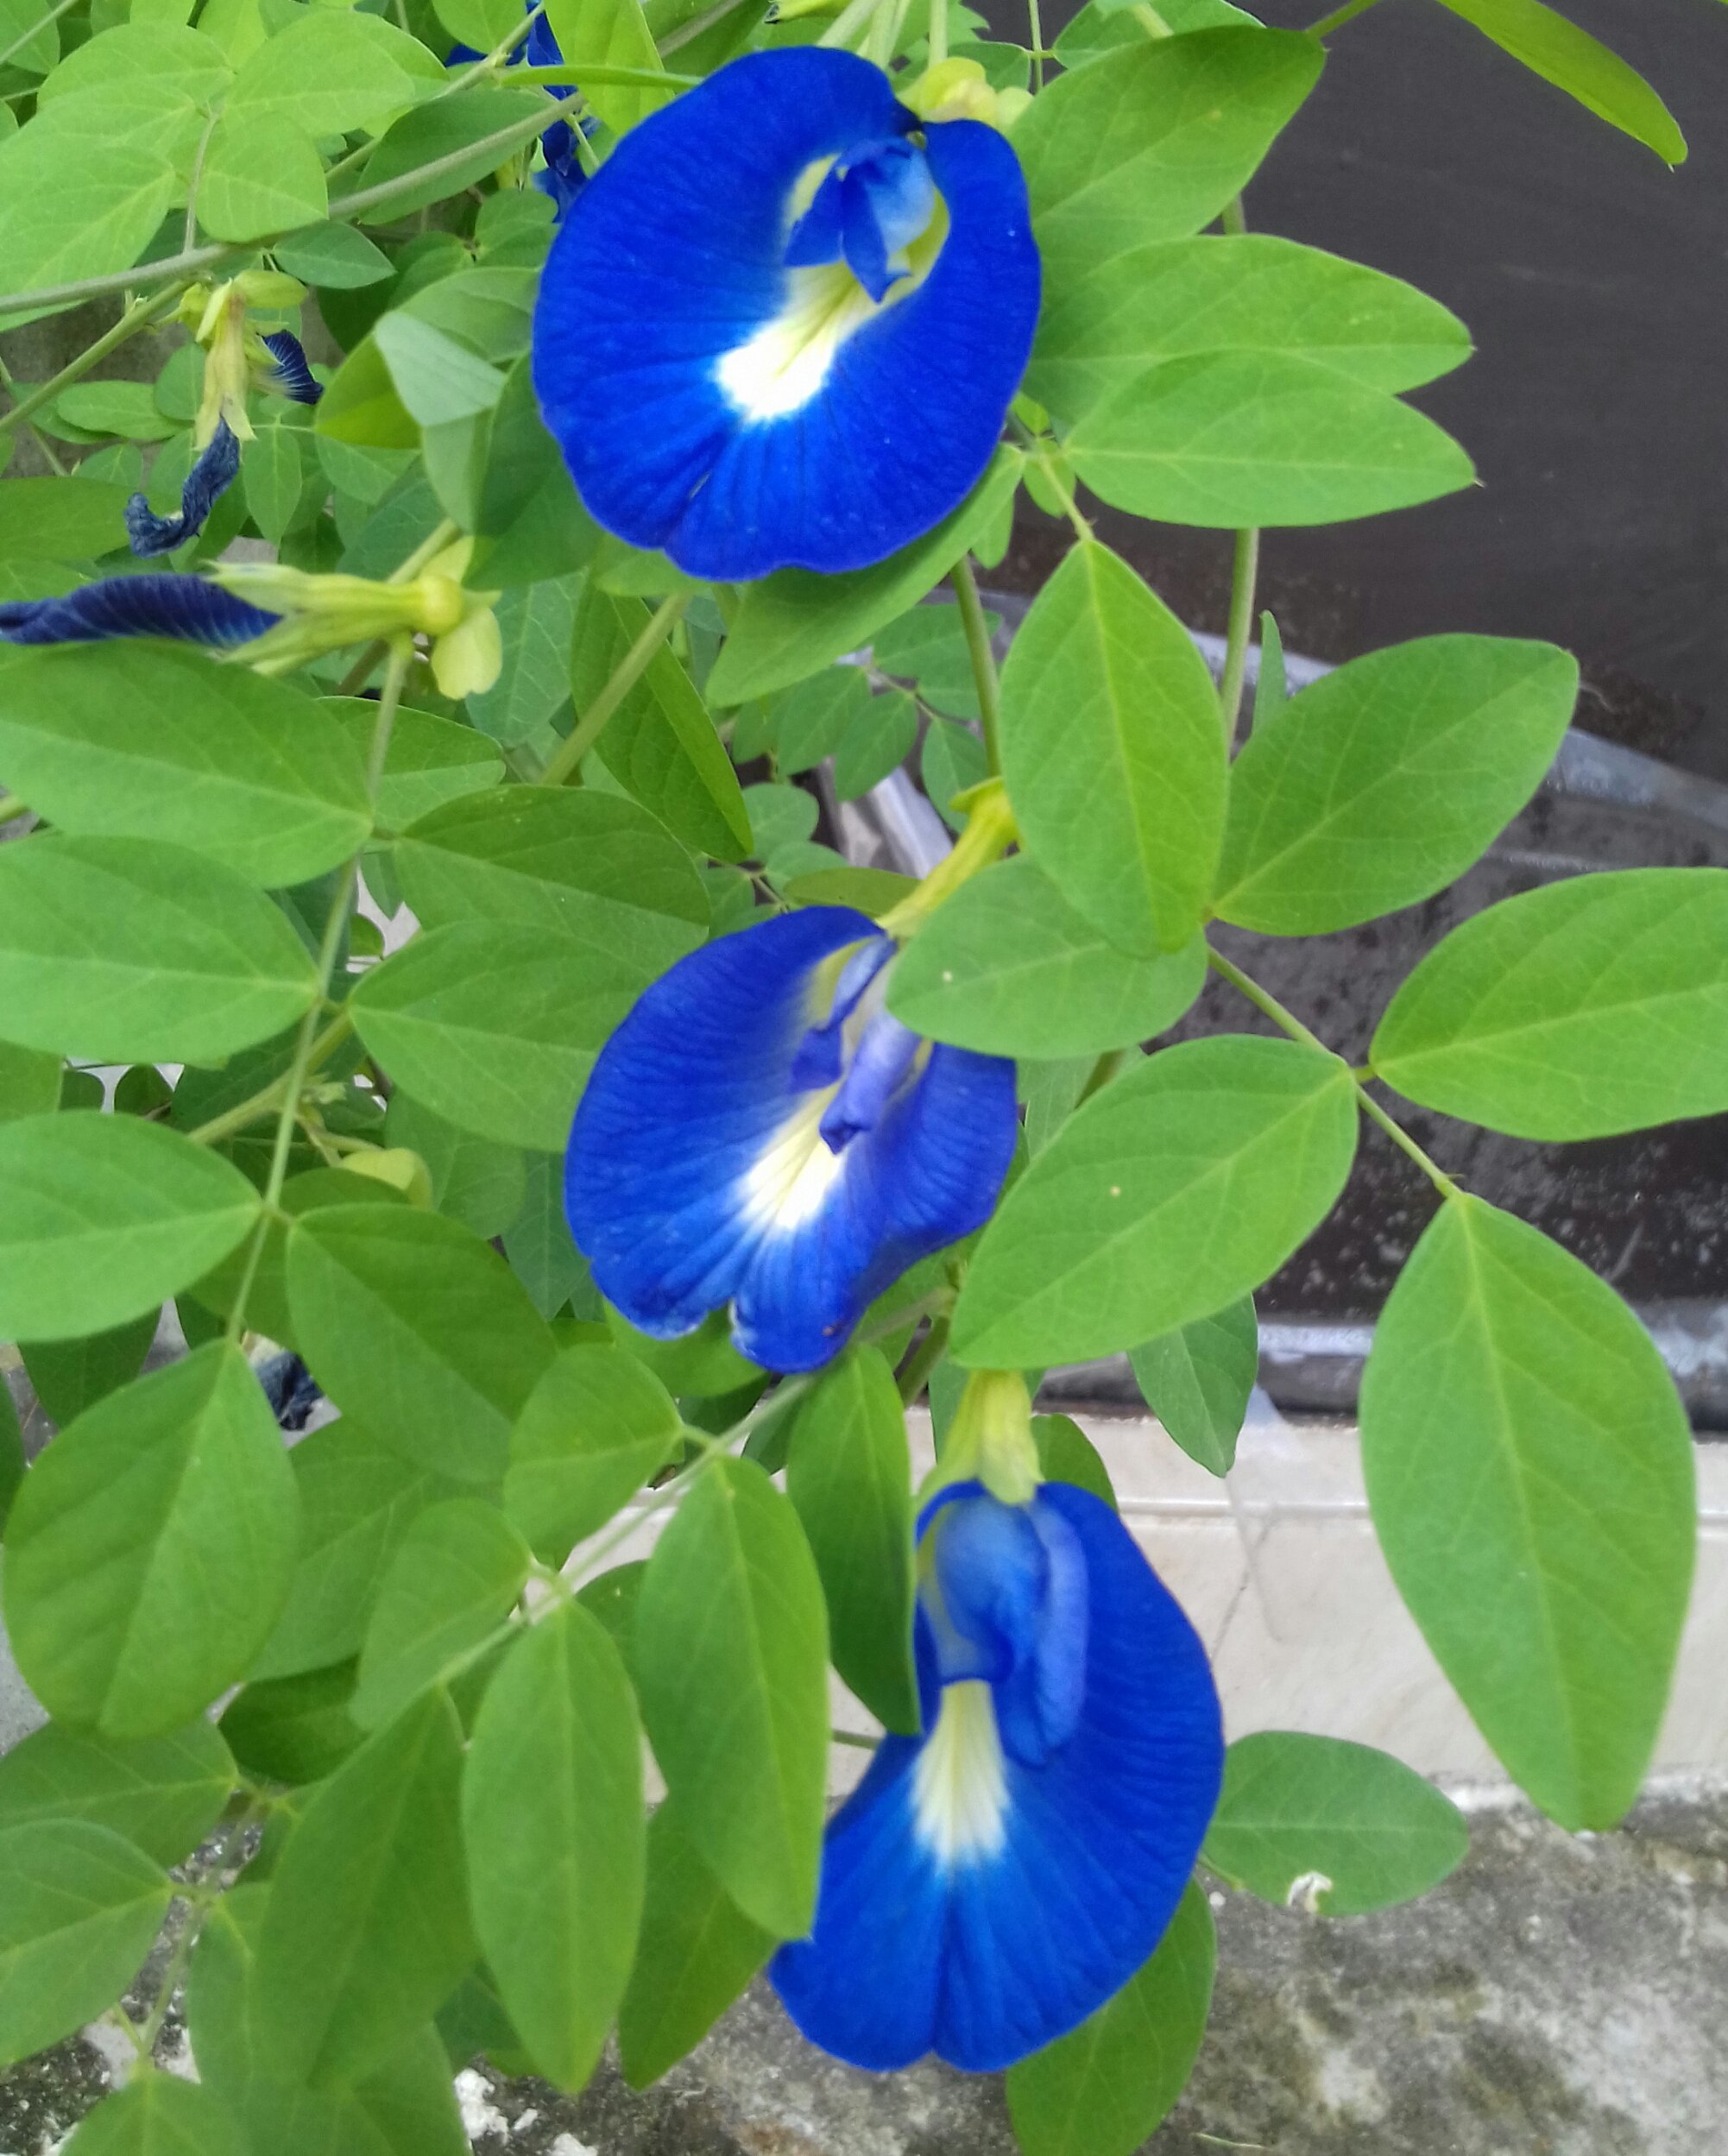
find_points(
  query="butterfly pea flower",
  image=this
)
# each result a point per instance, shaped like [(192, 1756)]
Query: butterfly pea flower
[(561, 172), (784, 323), (993, 1881), (761, 1131), (236, 358)]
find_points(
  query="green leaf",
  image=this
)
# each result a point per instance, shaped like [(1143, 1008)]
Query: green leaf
[(495, 1028), (147, 740), (660, 744), (1383, 782), (334, 256), (480, 1184), (1332, 1828), (45, 520), (729, 1653), (164, 1793), (69, 1376), (884, 735), (126, 408), (366, 1930), (928, 644), (274, 474), (1153, 145), (791, 624), (1233, 438), (78, 1911), (454, 1578), (1103, 2088), (437, 379), (155, 2114), (149, 1549), (267, 1296), (1196, 1380), (1530, 1472), (1572, 59), (1574, 1010), (429, 762), (1176, 297), (1114, 754), (441, 129), (25, 21), (124, 950), (29, 1083), (534, 621), (849, 1475), (609, 33), (359, 1496), (1066, 1453), (698, 1952), (330, 72), (553, 1826), (779, 815), (705, 1362), (297, 1729), (360, 406), (812, 720), (1007, 966), (261, 175), (592, 866), (593, 1430), (540, 1248), (1171, 1193), (105, 1217), (65, 214), (409, 1321)]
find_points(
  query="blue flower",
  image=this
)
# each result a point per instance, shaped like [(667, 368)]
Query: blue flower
[(760, 1131), (562, 173), (784, 323), (992, 1882), (212, 475), (290, 374), (186, 608)]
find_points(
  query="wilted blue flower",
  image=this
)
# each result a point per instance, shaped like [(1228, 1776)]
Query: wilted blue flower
[(211, 475), (760, 1131), (785, 321), (189, 608), (994, 1881)]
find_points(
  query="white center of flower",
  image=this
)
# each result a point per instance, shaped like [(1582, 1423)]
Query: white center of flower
[(960, 1787), (789, 1178), (787, 361)]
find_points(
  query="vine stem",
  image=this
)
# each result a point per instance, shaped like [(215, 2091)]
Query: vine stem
[(1243, 575), (1339, 16), (1288, 1022), (624, 676), (853, 18), (189, 230), (401, 652), (983, 658), (270, 1096), (924, 1357)]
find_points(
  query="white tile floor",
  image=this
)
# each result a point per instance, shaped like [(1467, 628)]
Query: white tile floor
[(1279, 1571)]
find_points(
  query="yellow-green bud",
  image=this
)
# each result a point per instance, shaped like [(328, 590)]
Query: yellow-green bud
[(990, 1439)]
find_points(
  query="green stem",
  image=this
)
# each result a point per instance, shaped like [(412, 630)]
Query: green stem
[(853, 1737), (1034, 25), (138, 316), (189, 230), (852, 18), (1242, 578), (270, 1097), (983, 658), (35, 30), (625, 676), (293, 1083), (606, 78), (923, 1359), (1287, 1022), (10, 806), (938, 32), (687, 32), (1339, 16)]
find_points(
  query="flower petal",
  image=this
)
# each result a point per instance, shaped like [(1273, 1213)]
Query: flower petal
[(187, 607), (697, 1175), (672, 259), (291, 375), (987, 1945), (215, 471)]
